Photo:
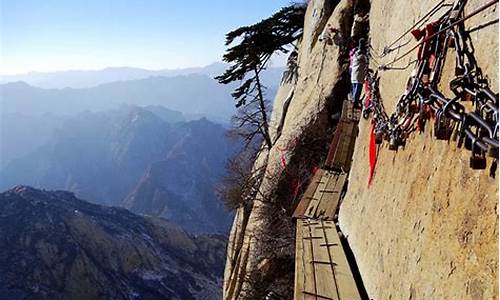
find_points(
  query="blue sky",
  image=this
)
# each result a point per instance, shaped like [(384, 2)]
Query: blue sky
[(53, 35)]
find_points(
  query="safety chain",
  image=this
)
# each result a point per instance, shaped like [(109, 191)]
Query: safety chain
[(476, 129)]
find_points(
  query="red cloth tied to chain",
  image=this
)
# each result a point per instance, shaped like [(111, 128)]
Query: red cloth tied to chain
[(424, 50), (372, 154)]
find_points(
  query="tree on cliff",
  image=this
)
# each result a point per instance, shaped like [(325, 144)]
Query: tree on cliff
[(249, 57)]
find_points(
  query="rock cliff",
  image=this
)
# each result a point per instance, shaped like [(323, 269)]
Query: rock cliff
[(428, 220), (428, 226), (55, 246)]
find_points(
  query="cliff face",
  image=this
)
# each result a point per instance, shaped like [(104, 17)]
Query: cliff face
[(260, 251), (427, 223), (428, 226), (55, 246)]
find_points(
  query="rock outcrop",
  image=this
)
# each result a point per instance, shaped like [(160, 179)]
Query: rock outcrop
[(263, 232), (427, 223), (55, 246), (428, 226)]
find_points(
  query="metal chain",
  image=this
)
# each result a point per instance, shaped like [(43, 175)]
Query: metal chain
[(422, 101)]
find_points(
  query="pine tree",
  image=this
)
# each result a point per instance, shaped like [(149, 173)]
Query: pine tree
[(253, 47)]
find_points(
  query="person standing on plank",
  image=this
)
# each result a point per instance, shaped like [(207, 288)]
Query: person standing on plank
[(359, 65)]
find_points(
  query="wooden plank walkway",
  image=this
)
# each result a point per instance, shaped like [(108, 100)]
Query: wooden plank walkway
[(321, 267), (349, 112), (322, 196), (342, 146), (316, 181)]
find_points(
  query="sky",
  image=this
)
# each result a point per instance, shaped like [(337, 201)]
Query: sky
[(56, 35)]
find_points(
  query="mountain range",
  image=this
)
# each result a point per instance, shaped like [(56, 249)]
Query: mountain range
[(146, 140), (92, 78), (194, 92), (56, 246), (148, 159)]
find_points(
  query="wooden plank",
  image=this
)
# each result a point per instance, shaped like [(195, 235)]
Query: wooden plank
[(342, 157), (309, 271), (349, 112), (334, 145), (326, 196), (311, 210), (333, 204), (331, 196), (299, 261), (324, 268), (343, 275), (321, 267), (308, 194)]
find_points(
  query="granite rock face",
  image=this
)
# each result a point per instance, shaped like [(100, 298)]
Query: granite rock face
[(263, 232), (427, 227), (55, 246)]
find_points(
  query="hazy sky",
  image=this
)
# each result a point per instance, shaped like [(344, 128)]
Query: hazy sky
[(50, 35)]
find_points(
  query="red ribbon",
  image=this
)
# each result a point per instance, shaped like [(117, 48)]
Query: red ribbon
[(372, 154)]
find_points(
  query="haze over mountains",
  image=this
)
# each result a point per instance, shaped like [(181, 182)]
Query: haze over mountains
[(91, 78), (153, 142), (192, 91), (148, 159), (145, 140)]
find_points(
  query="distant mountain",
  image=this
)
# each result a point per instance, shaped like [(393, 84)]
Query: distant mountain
[(20, 134), (135, 154), (181, 186), (92, 78), (195, 95), (55, 246), (192, 94)]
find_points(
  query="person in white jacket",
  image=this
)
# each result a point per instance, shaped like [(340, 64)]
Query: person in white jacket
[(359, 65)]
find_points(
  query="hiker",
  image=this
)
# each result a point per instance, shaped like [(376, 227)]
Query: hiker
[(359, 64)]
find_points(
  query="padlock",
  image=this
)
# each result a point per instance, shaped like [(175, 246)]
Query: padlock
[(378, 138), (393, 144), (459, 71), (437, 129), (366, 114), (467, 96), (413, 108), (402, 142), (425, 79), (477, 162), (461, 138), (477, 159), (444, 129), (451, 42)]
